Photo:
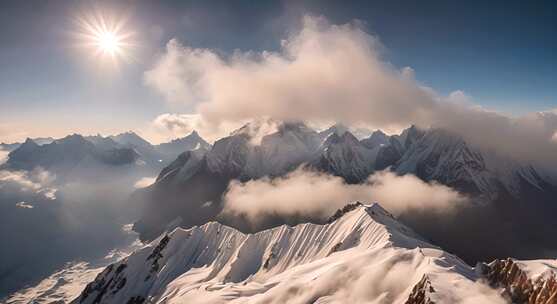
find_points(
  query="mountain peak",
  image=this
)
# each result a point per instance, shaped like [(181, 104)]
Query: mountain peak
[(377, 138), (194, 133), (344, 137), (131, 138), (29, 142), (72, 139)]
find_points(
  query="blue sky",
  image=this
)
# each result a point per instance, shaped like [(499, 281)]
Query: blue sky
[(502, 53)]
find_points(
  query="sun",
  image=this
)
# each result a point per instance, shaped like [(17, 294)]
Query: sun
[(105, 36), (109, 43)]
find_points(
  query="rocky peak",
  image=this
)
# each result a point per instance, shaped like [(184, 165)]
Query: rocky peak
[(342, 211), (420, 292), (337, 128), (130, 138), (377, 138), (344, 138), (28, 145), (517, 285)]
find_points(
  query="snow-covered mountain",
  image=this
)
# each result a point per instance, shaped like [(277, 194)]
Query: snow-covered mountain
[(77, 150), (363, 255), (161, 154), (276, 153), (345, 156), (446, 158), (177, 146), (189, 192), (67, 153)]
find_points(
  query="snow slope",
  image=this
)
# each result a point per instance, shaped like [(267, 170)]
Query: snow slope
[(445, 157), (364, 256)]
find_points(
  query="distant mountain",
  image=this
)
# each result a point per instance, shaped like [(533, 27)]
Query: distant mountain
[(66, 153), (39, 141), (363, 255), (179, 145), (131, 139), (377, 139), (77, 151), (162, 154), (345, 156)]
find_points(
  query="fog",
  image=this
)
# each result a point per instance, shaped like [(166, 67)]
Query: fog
[(48, 220)]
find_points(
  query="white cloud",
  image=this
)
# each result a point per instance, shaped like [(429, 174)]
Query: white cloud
[(312, 194), (38, 181), (326, 72), (323, 72), (172, 125), (144, 182), (3, 156), (24, 205)]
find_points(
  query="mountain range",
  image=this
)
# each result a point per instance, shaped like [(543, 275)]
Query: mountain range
[(362, 253), (74, 151), (505, 194)]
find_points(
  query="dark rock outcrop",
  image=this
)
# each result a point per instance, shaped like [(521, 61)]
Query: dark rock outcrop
[(521, 289), (419, 294)]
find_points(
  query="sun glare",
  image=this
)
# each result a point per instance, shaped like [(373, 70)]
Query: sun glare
[(108, 43), (105, 36)]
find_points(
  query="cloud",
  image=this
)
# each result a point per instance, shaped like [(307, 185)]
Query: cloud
[(172, 125), (324, 71), (144, 182), (3, 156), (177, 123), (316, 195), (327, 72), (24, 205), (38, 181)]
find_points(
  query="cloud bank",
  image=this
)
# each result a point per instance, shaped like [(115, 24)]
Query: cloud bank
[(308, 194), (178, 125), (326, 72), (37, 181)]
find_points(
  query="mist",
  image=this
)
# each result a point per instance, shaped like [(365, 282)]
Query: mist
[(47, 220)]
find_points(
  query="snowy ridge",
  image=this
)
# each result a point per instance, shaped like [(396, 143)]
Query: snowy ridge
[(364, 255)]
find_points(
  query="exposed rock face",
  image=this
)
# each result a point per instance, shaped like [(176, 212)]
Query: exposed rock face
[(340, 212), (420, 292), (507, 274), (109, 282)]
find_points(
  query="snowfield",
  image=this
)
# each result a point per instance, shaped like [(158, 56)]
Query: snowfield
[(365, 256)]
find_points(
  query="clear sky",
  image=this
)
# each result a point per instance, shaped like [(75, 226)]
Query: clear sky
[(502, 53)]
